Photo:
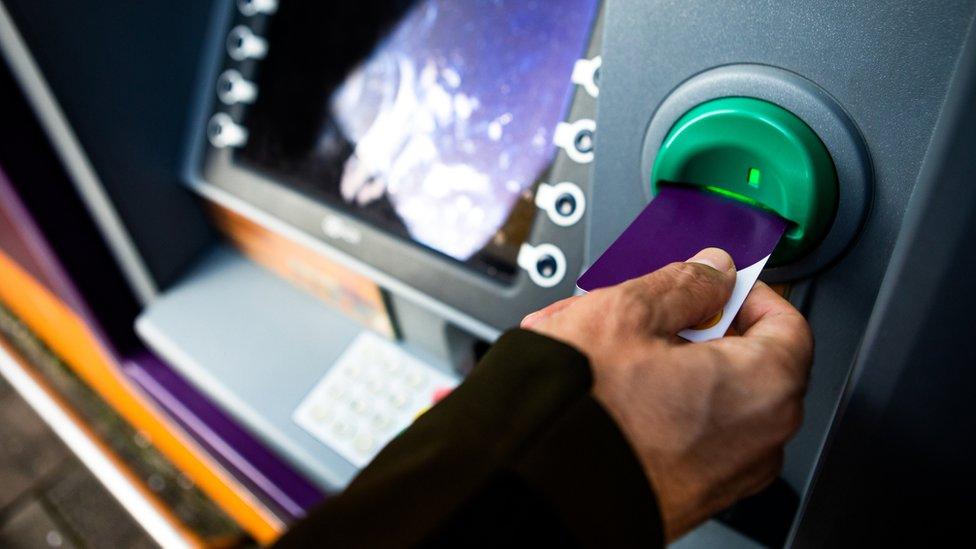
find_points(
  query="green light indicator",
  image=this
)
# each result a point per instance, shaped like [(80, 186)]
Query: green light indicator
[(754, 177), (736, 196)]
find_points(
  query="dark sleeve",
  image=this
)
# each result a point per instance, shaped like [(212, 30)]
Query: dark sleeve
[(518, 453)]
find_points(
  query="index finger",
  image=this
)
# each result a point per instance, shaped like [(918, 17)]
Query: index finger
[(532, 319), (768, 316)]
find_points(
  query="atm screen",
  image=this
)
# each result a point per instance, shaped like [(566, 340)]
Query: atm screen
[(432, 120)]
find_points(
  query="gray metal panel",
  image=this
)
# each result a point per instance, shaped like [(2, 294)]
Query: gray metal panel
[(906, 429), (887, 64), (256, 345)]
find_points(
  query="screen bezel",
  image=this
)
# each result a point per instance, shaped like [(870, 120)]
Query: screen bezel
[(416, 272)]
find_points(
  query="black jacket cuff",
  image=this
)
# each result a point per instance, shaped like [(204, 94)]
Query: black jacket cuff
[(587, 471)]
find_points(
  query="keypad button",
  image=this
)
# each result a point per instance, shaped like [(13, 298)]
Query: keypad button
[(338, 392), (343, 428), (381, 422), (375, 385), (358, 406), (365, 443), (321, 413), (416, 378), (399, 400), (392, 367)]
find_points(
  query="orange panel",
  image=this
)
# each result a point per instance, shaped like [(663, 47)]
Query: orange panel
[(69, 337), (355, 295)]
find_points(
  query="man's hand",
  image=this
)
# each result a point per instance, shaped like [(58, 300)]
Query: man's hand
[(708, 421)]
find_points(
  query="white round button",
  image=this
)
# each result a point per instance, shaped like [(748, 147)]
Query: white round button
[(576, 139), (250, 8), (243, 44), (233, 88), (586, 73), (545, 263), (222, 131), (564, 202)]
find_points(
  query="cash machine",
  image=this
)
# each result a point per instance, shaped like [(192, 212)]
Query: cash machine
[(438, 178), (395, 183)]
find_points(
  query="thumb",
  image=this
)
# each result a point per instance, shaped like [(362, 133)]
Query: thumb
[(690, 293)]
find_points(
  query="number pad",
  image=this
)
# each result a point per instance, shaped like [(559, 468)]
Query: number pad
[(375, 390)]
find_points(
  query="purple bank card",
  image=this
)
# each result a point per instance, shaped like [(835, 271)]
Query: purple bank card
[(676, 225)]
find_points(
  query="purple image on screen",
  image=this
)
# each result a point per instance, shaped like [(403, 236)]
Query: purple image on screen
[(452, 116)]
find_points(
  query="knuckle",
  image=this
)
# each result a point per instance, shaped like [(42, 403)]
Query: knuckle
[(630, 305), (692, 286), (693, 276), (632, 299)]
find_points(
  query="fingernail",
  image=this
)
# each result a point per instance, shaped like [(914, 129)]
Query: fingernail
[(715, 258), (529, 320)]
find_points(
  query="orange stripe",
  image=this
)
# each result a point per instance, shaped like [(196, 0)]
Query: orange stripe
[(68, 336)]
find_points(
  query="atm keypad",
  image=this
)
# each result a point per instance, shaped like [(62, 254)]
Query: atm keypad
[(372, 392)]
